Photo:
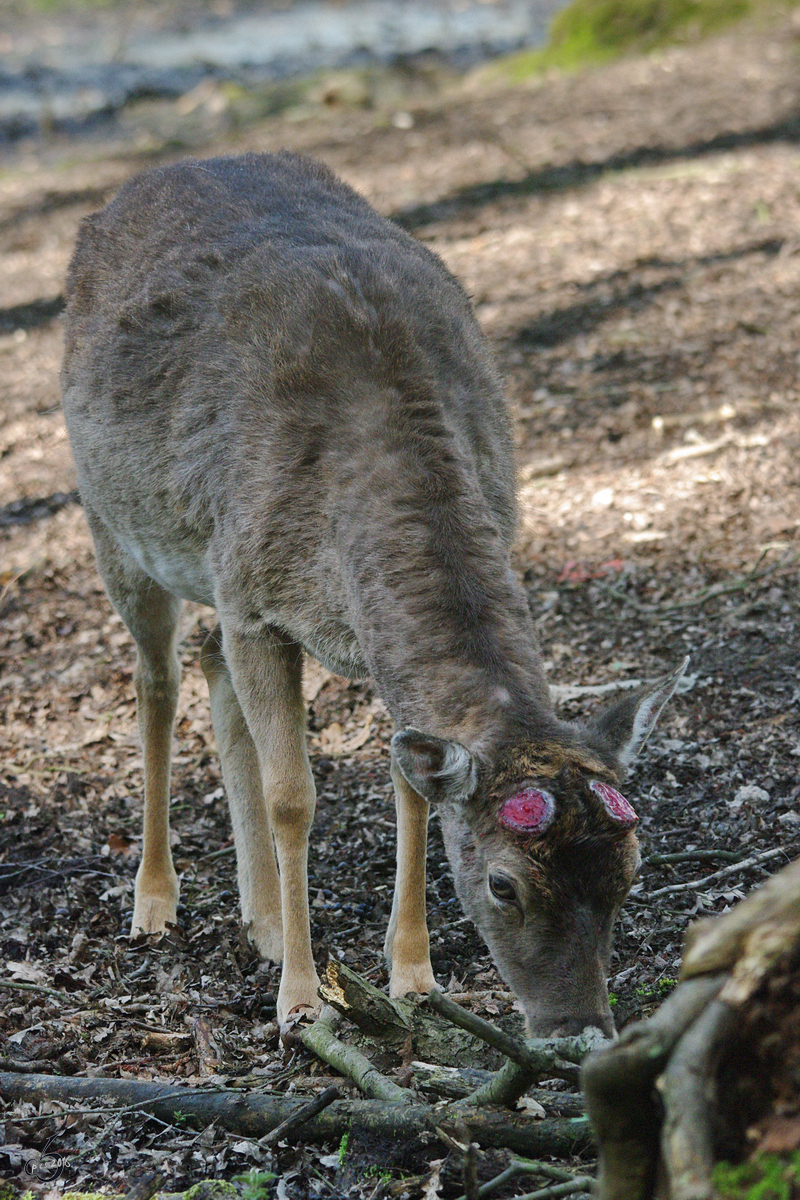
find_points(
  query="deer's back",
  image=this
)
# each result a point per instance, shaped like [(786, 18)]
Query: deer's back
[(256, 363)]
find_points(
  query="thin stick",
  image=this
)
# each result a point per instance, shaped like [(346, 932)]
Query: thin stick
[(659, 860), (736, 585), (18, 986), (699, 885), (37, 1067), (523, 1166), (538, 1056), (299, 1118), (476, 1025), (709, 593), (581, 1183)]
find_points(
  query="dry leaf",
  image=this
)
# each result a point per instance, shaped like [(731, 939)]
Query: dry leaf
[(779, 1135), (431, 1186), (26, 972), (119, 845)]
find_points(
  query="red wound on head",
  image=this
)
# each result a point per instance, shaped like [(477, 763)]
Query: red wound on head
[(528, 811), (614, 803)]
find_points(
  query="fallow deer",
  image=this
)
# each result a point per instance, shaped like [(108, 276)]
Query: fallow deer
[(281, 405)]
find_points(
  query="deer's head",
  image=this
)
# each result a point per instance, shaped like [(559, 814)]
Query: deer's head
[(544, 851)]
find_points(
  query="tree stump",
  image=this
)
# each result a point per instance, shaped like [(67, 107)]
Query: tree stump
[(715, 1073)]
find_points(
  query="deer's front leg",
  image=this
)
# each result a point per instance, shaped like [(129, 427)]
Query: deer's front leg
[(265, 669), (407, 946)]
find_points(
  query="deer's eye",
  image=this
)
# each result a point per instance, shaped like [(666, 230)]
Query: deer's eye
[(502, 889)]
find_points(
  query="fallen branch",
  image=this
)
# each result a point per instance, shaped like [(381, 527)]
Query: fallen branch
[(320, 1039), (399, 1025), (366, 1006), (26, 1068), (543, 1058), (504, 1088), (698, 885), (254, 1115), (581, 1184), (454, 1083), (681, 856)]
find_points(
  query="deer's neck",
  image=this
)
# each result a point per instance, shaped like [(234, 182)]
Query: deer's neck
[(442, 622)]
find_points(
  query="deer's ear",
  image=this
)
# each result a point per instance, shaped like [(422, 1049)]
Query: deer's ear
[(438, 769), (625, 726)]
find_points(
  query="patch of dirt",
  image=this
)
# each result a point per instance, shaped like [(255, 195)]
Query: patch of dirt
[(631, 239)]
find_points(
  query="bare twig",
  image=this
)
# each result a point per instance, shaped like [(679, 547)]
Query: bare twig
[(456, 1083), (485, 1030), (524, 1166), (18, 986), (555, 1058), (750, 938), (569, 691), (581, 1183), (699, 885), (26, 1068), (705, 594), (735, 585), (680, 856), (300, 1117)]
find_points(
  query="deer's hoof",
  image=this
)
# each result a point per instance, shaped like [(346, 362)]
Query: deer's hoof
[(416, 978), (152, 914), (298, 997)]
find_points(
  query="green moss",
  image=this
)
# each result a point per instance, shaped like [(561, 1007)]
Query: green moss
[(589, 32), (84, 1196), (216, 1189), (765, 1177), (659, 990), (602, 28)]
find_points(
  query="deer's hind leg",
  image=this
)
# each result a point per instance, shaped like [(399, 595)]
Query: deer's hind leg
[(259, 885), (152, 615)]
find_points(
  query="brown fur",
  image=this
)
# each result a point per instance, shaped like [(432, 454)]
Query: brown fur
[(281, 405)]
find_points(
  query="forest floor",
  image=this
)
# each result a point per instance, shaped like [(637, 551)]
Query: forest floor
[(631, 240)]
